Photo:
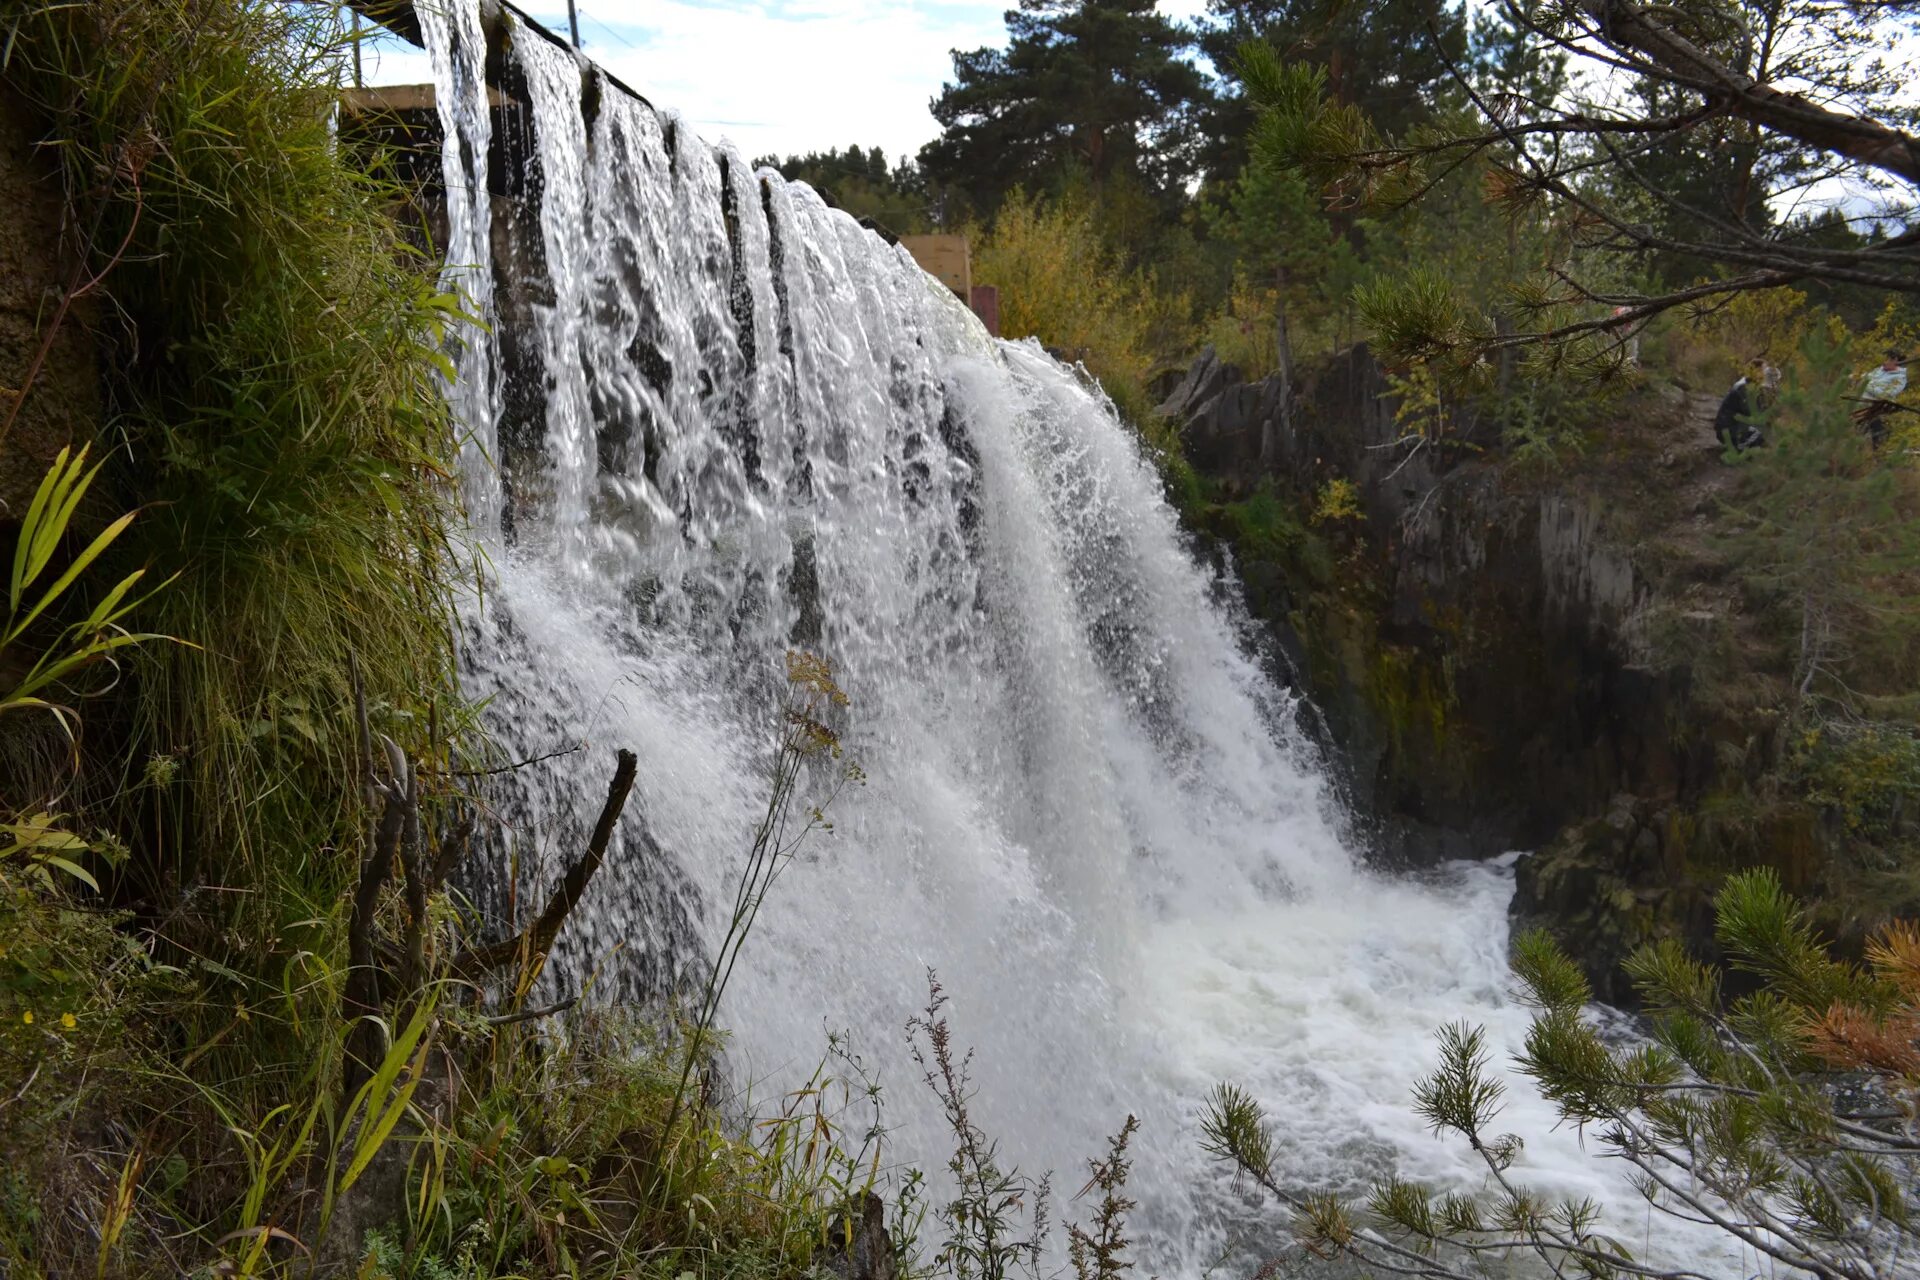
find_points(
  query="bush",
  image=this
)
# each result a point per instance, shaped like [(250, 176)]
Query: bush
[(1709, 347), (1060, 283), (1266, 528), (1246, 333), (1867, 772), (560, 1157)]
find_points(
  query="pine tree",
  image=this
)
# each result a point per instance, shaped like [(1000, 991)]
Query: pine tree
[(861, 181), (1095, 86), (1391, 57), (1700, 124)]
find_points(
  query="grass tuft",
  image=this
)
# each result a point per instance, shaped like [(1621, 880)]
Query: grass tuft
[(272, 354)]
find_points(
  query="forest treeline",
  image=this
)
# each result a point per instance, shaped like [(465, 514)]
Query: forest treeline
[(1139, 186), (1541, 214)]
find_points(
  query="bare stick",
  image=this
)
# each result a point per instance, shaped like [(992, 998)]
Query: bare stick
[(537, 938), (363, 734), (452, 849), (362, 996), (515, 766), (528, 1015), (406, 788)]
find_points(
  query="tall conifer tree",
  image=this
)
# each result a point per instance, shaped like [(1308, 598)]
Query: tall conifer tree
[(1100, 87)]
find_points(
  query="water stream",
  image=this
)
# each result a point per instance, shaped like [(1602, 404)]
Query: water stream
[(742, 424)]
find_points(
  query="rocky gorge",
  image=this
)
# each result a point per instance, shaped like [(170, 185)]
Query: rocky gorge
[(1556, 658)]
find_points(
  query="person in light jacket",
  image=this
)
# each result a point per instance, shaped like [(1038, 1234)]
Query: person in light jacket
[(1879, 388)]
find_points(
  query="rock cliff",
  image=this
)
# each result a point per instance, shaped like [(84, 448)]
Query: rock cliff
[(1503, 656)]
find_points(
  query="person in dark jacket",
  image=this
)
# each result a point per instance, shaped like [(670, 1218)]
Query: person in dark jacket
[(1737, 422)]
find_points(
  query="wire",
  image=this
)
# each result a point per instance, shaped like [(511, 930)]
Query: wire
[(609, 30)]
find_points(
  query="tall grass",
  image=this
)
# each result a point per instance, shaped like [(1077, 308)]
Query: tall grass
[(272, 344)]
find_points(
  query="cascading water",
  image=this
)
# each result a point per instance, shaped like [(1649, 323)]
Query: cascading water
[(743, 424)]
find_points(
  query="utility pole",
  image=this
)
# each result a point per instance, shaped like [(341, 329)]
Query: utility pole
[(573, 21)]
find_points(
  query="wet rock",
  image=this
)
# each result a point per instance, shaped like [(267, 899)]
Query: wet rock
[(860, 1248), (62, 407), (1590, 889), (1475, 647), (1509, 658)]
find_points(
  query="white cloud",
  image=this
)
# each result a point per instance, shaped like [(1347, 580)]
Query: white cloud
[(779, 76)]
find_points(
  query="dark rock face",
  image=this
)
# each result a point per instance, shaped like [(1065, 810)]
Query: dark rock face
[(1609, 885), (1478, 646), (1475, 650), (62, 407)]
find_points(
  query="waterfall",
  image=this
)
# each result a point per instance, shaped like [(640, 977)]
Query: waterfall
[(714, 420)]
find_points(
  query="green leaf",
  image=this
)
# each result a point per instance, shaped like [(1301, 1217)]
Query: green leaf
[(103, 613), (74, 570), (38, 832), (374, 1093), (71, 868), (23, 551), (48, 673)]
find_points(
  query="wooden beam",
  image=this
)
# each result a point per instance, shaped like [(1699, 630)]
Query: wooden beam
[(399, 100), (396, 16)]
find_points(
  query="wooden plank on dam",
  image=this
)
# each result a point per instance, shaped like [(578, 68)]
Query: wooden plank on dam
[(945, 258)]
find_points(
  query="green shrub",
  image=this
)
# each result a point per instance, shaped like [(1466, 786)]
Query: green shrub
[(1866, 772), (273, 400), (74, 988), (1059, 282), (1265, 528)]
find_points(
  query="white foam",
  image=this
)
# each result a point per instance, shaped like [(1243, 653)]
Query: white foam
[(1089, 808)]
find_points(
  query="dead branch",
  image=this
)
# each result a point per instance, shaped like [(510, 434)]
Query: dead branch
[(453, 847), (515, 766), (362, 996), (528, 1015), (407, 786), (537, 939)]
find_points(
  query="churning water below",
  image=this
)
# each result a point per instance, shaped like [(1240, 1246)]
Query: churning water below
[(713, 420)]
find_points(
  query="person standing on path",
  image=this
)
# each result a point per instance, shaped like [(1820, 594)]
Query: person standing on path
[(1879, 387), (1737, 422)]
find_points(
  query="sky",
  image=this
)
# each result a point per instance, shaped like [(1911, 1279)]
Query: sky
[(776, 76)]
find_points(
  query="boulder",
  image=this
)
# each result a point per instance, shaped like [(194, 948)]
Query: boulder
[(859, 1246)]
